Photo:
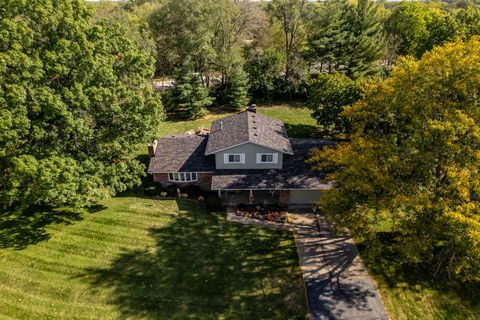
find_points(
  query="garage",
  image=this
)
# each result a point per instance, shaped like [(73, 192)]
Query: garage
[(304, 196)]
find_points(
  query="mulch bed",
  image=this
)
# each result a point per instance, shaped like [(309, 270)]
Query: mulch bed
[(262, 212)]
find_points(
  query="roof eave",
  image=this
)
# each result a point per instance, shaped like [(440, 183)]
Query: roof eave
[(258, 144)]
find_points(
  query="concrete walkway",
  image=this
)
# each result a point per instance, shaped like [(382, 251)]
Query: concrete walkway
[(336, 279)]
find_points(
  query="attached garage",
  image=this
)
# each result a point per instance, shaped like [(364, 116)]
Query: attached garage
[(304, 196)]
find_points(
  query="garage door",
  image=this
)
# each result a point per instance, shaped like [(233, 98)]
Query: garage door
[(304, 196)]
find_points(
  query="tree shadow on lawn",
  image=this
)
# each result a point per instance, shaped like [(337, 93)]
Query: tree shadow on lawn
[(302, 131), (205, 267), (19, 229), (387, 266)]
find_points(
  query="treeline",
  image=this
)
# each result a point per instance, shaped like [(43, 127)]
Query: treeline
[(226, 52)]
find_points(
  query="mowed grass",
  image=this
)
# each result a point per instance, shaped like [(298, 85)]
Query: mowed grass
[(296, 117), (134, 257), (412, 293)]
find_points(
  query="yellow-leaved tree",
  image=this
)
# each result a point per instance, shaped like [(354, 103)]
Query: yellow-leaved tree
[(414, 160)]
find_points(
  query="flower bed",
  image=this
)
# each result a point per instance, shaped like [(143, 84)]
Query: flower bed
[(262, 212)]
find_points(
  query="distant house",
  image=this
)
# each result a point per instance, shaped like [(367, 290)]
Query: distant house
[(247, 157)]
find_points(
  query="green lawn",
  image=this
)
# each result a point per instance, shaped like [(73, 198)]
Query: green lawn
[(410, 293), (134, 257), (295, 115)]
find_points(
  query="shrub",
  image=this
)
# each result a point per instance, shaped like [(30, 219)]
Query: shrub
[(213, 202), (171, 191), (152, 189), (193, 191)]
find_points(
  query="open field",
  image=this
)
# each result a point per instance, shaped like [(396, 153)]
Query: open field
[(133, 257)]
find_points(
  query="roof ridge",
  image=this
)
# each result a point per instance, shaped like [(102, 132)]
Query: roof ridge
[(250, 138)]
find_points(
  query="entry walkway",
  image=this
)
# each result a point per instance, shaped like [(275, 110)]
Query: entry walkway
[(337, 282)]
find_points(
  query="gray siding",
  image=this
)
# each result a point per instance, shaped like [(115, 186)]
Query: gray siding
[(304, 196), (250, 151)]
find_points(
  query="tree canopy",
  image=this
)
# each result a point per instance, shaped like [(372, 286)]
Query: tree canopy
[(347, 38), (328, 95), (412, 160), (74, 102)]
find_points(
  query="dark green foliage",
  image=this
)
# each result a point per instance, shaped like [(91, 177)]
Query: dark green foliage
[(347, 38), (74, 102), (368, 45), (264, 73), (171, 191), (233, 93), (213, 202), (152, 189), (328, 94), (236, 92), (190, 96), (329, 35), (193, 191)]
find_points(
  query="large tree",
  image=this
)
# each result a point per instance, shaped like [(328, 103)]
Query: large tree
[(328, 95), (189, 96), (183, 29), (346, 37), (418, 27), (290, 15), (74, 102), (368, 44), (210, 33), (413, 160)]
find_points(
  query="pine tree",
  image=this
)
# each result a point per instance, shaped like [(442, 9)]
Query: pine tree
[(330, 36), (236, 91), (347, 38), (368, 44), (190, 96)]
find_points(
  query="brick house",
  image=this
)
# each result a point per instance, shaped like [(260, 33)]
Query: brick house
[(246, 157)]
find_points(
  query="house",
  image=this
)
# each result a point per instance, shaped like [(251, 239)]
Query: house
[(246, 157)]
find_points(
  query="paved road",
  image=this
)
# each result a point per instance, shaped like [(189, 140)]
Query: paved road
[(337, 282)]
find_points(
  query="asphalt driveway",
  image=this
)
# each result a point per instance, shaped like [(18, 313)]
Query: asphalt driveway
[(337, 282)]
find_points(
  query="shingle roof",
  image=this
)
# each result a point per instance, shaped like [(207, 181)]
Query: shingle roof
[(248, 127), (296, 174), (176, 153)]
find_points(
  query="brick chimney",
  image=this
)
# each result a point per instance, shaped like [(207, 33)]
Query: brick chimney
[(252, 108), (151, 148)]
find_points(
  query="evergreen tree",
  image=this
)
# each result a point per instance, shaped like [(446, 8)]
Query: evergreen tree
[(236, 91), (367, 44), (347, 38), (190, 96), (329, 37)]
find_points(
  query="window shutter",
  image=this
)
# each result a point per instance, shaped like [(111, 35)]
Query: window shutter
[(259, 158), (242, 158), (275, 158), (225, 158)]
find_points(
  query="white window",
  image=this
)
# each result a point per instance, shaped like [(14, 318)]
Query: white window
[(231, 158), (182, 176), (267, 157)]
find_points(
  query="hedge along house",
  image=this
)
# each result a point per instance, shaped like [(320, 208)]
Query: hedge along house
[(246, 158)]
